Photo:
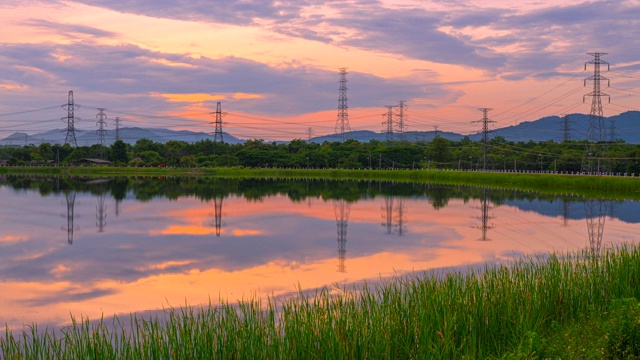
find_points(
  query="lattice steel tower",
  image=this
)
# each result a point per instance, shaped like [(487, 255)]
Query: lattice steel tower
[(565, 127), (402, 118), (117, 128), (596, 130), (101, 123), (388, 124), (217, 136), (70, 137), (485, 135), (342, 123)]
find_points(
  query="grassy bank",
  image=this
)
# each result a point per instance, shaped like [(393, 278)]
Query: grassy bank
[(591, 186), (556, 307)]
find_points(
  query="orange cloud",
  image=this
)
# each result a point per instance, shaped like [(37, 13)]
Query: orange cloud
[(246, 96), (197, 97), (13, 238)]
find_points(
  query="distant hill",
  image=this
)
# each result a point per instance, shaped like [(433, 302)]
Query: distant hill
[(128, 135), (627, 128), (626, 125)]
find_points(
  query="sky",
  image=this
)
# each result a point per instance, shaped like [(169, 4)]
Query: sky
[(273, 65)]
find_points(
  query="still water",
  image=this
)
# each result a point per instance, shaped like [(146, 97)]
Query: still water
[(96, 247)]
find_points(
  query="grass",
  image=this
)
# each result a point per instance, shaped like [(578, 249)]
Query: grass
[(528, 309), (591, 186)]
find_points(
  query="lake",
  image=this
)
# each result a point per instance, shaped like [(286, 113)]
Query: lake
[(94, 246)]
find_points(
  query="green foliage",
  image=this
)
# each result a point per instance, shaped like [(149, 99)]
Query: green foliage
[(439, 153), (623, 330)]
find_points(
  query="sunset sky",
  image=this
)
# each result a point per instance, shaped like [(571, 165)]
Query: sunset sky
[(274, 64)]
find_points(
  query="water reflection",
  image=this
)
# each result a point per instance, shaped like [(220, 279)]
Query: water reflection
[(485, 217), (394, 215), (70, 197), (341, 209), (270, 237), (596, 211)]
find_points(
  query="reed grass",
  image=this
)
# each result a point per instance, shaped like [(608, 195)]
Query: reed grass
[(470, 314)]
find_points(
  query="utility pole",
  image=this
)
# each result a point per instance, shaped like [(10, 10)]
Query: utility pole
[(388, 124), (342, 123), (402, 117), (596, 131), (435, 131), (70, 137), (218, 123), (485, 135), (101, 123), (117, 128)]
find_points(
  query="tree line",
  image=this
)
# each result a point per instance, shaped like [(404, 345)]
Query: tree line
[(439, 153)]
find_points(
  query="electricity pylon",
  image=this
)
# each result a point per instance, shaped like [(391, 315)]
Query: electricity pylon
[(342, 123), (596, 130), (70, 137)]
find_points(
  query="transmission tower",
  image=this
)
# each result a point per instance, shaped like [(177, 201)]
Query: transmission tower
[(402, 118), (341, 209), (101, 123), (70, 137), (565, 127), (485, 135), (309, 133), (435, 131), (612, 130), (117, 128), (219, 114), (342, 123), (388, 124), (596, 130)]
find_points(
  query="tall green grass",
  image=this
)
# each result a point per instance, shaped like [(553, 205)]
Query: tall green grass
[(470, 314)]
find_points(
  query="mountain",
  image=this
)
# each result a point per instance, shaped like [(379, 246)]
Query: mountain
[(626, 127), (128, 135)]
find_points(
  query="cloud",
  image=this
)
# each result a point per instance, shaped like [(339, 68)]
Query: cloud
[(246, 85), (244, 12), (69, 30)]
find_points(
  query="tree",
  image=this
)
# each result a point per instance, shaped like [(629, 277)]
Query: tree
[(439, 151), (118, 152)]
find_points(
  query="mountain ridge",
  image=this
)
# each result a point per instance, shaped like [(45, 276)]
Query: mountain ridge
[(624, 126)]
